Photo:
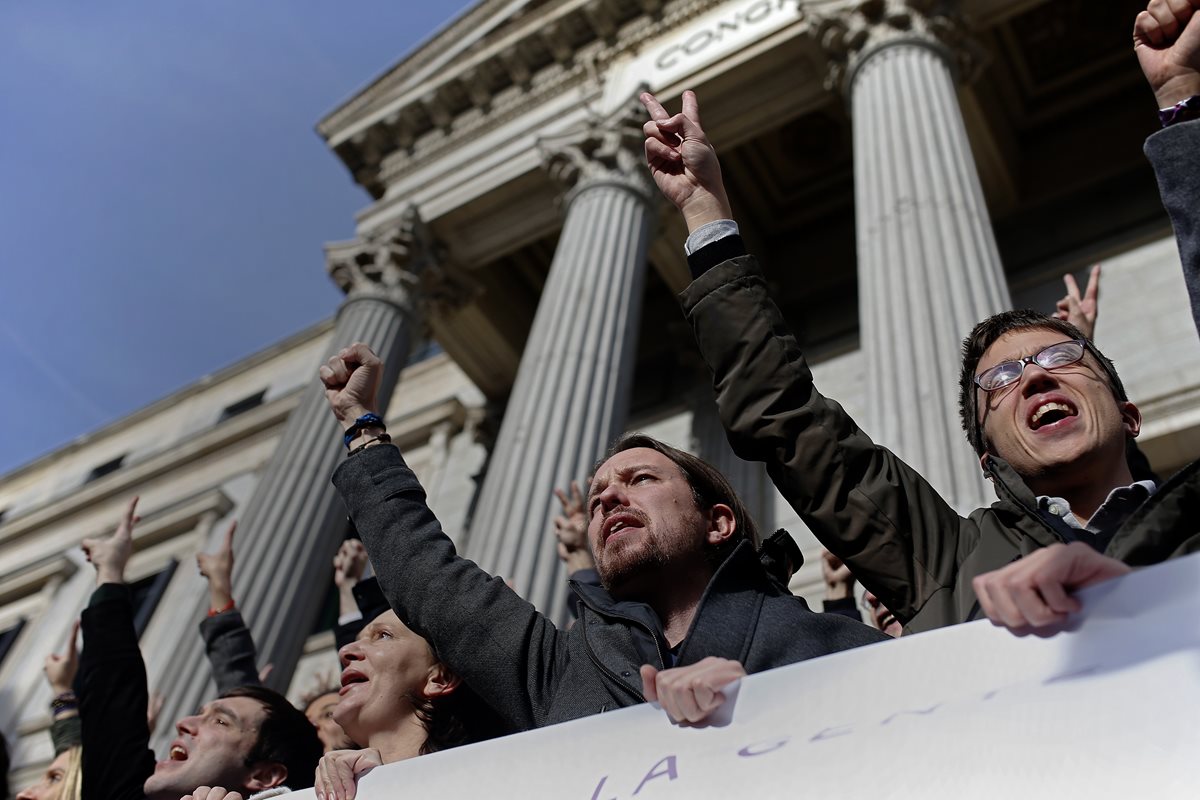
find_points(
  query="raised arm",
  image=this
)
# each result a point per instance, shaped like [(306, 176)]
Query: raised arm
[(227, 640), (498, 643), (348, 567), (867, 506), (1166, 39), (112, 677), (61, 671)]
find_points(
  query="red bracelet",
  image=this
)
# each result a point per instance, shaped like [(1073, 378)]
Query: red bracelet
[(212, 612)]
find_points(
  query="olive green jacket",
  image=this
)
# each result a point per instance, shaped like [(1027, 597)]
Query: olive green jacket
[(901, 539)]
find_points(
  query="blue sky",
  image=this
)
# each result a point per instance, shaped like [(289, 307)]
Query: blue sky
[(163, 195)]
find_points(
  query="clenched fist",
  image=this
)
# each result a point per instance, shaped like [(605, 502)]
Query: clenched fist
[(1166, 38), (351, 380), (690, 694)]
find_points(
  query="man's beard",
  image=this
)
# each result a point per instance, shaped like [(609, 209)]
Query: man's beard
[(621, 570)]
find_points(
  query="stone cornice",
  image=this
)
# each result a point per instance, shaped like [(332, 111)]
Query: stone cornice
[(561, 46), (205, 383), (240, 431), (390, 83)]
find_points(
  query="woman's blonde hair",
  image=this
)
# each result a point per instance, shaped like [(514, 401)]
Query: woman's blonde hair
[(72, 785)]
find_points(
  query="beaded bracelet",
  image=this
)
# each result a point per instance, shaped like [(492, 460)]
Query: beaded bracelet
[(383, 437)]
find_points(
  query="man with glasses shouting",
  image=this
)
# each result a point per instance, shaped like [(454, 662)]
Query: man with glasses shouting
[(1044, 409)]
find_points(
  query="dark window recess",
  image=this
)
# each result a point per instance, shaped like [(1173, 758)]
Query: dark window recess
[(147, 592), (243, 405), (105, 468), (9, 637), (3, 514)]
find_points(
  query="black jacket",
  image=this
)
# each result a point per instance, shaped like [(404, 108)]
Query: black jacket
[(117, 758), (529, 671)]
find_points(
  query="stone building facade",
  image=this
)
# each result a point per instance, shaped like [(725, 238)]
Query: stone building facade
[(903, 167)]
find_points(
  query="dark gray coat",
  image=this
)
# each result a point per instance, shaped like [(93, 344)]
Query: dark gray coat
[(527, 669), (1175, 155), (230, 650)]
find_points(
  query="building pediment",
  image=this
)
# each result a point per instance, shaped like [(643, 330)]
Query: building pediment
[(493, 60)]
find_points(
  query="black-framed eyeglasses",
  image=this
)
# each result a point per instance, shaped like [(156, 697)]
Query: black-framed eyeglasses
[(1061, 354)]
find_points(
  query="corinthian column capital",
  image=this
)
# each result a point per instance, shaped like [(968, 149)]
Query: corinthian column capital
[(851, 35), (403, 263), (605, 151)]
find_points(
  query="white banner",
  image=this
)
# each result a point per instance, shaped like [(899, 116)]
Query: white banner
[(1109, 708)]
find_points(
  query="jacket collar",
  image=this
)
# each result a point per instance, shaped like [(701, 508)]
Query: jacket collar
[(1160, 527), (1018, 505), (730, 602)]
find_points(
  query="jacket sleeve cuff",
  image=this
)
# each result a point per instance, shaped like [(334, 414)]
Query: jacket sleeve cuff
[(108, 591), (715, 252), (725, 272)]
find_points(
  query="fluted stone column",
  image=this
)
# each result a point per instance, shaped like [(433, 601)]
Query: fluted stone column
[(748, 478), (293, 524), (928, 265), (572, 389)]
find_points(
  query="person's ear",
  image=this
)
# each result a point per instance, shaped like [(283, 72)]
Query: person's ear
[(983, 459), (265, 775), (1131, 418), (440, 681), (721, 524)]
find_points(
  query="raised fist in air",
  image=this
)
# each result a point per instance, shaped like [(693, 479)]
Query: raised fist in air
[(1166, 38), (351, 380)]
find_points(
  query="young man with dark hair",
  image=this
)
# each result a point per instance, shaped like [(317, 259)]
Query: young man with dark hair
[(250, 739), (685, 608), (1042, 406)]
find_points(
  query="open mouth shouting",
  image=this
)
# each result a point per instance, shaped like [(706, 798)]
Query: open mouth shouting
[(177, 752), (350, 678), (1051, 412), (620, 522)]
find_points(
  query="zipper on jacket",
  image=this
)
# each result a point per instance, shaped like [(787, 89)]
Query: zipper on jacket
[(658, 648), (599, 665)]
